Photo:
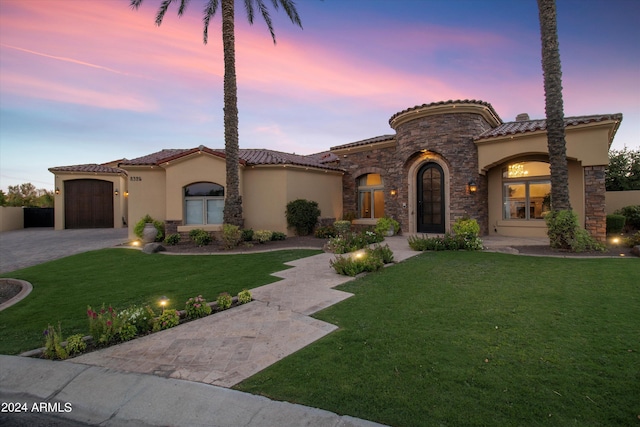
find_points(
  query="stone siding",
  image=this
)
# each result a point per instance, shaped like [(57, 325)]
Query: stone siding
[(448, 136), (595, 221)]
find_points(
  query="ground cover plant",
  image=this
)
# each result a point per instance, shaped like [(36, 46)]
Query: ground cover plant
[(63, 289), (474, 338)]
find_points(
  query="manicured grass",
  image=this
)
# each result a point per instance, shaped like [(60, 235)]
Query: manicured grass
[(62, 289), (465, 338)]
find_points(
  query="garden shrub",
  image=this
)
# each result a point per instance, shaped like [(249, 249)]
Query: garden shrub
[(75, 345), (172, 239), (384, 224), (632, 215), (53, 348), (166, 320), (633, 240), (197, 307), (342, 227), (383, 252), (224, 301), (369, 260), (244, 296), (352, 242), (302, 215), (104, 325), (278, 235), (615, 223), (262, 236), (448, 242), (247, 235), (159, 225), (565, 233), (466, 227), (347, 266), (139, 317), (200, 237), (325, 232), (231, 236)]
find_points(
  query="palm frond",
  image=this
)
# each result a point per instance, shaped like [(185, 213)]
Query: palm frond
[(209, 12), (164, 5), (264, 10), (183, 6), (289, 7), (135, 4), (248, 6)]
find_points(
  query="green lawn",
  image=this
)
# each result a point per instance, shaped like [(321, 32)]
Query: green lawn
[(468, 338), (62, 289)]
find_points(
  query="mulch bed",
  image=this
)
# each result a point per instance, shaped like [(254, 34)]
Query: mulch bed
[(296, 242), (8, 290), (543, 250)]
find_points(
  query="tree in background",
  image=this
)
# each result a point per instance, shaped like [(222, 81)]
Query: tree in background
[(26, 195), (623, 172), (233, 200)]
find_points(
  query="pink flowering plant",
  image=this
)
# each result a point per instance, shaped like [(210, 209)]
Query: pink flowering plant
[(197, 307), (104, 325)]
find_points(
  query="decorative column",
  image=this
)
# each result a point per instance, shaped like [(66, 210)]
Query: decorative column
[(594, 196)]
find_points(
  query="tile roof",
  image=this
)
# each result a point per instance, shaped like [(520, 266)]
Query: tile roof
[(247, 156), (381, 138), (458, 101), (89, 168), (525, 126)]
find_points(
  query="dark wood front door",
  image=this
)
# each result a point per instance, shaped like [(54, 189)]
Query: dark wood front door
[(88, 203), (431, 208)]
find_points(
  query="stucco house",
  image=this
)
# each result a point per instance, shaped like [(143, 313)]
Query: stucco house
[(446, 160)]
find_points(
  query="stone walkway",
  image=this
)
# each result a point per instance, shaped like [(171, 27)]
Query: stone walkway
[(230, 346)]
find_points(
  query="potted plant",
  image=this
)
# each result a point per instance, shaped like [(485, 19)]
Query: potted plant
[(387, 226)]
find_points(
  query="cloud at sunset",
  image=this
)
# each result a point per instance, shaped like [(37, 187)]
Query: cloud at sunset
[(95, 72)]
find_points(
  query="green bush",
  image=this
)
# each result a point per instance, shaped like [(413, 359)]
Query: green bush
[(325, 232), (632, 215), (166, 320), (278, 235), (615, 223), (224, 301), (172, 239), (53, 348), (384, 224), (383, 252), (262, 236), (633, 240), (466, 227), (200, 237), (448, 242), (247, 235), (75, 344), (231, 236), (196, 307), (368, 260), (342, 227), (159, 225), (352, 242), (565, 233), (302, 215), (244, 296)]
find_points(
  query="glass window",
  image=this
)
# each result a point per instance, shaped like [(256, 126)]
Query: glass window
[(525, 195), (370, 196), (203, 203)]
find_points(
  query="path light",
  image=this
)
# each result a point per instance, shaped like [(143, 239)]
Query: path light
[(163, 302)]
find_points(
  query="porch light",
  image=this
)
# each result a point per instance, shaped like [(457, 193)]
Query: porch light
[(473, 187), (57, 190), (163, 302), (394, 192), (126, 194), (116, 192)]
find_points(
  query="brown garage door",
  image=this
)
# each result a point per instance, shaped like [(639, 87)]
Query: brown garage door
[(88, 203)]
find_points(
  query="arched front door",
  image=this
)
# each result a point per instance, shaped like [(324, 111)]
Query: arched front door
[(430, 199)]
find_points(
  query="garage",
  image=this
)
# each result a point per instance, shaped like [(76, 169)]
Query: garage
[(88, 203)]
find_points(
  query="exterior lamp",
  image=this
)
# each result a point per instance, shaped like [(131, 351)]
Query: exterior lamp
[(163, 302), (473, 187), (394, 192), (116, 192), (57, 190)]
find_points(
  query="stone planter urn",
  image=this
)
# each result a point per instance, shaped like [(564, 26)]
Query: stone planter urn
[(149, 233)]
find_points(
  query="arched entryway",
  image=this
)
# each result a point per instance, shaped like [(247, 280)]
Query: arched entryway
[(430, 199)]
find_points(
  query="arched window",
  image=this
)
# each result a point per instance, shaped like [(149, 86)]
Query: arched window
[(526, 190), (203, 203), (370, 196)]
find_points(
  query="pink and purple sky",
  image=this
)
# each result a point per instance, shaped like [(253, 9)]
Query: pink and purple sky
[(95, 81)]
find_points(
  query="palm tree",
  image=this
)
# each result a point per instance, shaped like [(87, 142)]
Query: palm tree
[(554, 110), (233, 200)]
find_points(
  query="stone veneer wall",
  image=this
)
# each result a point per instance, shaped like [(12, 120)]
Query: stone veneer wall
[(449, 136), (595, 215)]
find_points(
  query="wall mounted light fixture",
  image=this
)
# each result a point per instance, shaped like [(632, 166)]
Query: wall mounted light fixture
[(116, 192), (57, 190), (394, 192), (473, 187)]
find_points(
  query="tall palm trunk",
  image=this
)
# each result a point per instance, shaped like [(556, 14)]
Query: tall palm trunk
[(233, 200), (554, 109)]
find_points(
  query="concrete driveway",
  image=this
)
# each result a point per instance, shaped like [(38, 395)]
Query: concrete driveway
[(32, 246)]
